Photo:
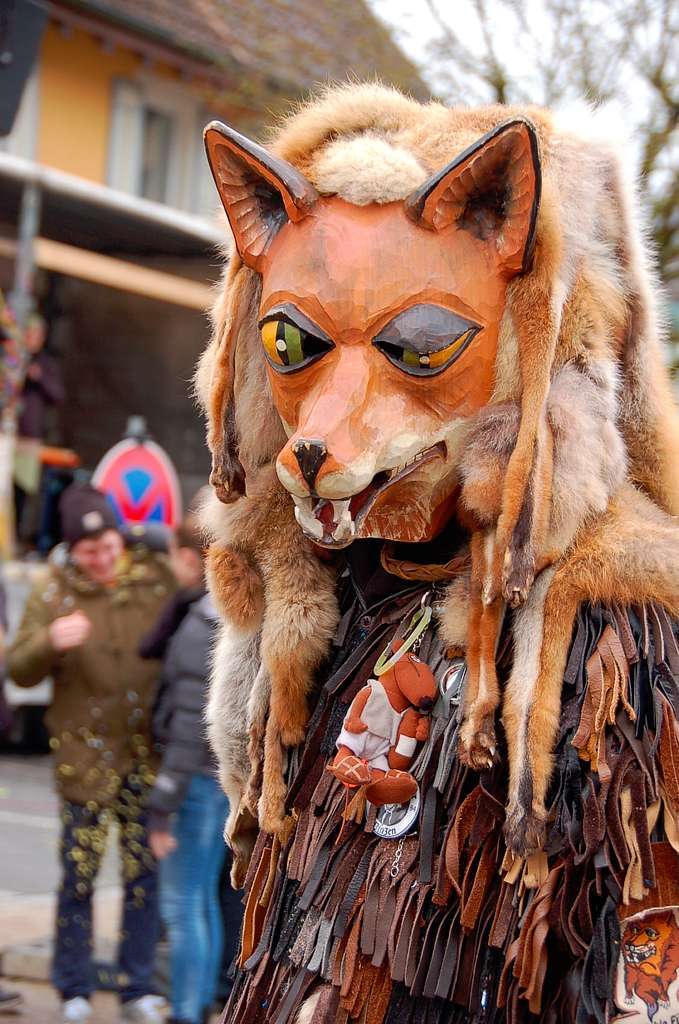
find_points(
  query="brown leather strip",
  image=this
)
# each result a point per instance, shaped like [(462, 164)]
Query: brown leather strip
[(465, 971), (506, 976), (253, 917), (669, 752), (352, 894), (294, 996), (629, 644), (432, 573), (384, 924), (273, 864), (427, 952), (436, 955), (615, 831), (344, 870), (370, 912), (443, 886), (458, 835), (505, 914), (351, 957), (261, 842), (665, 892), (576, 658), (641, 827), (482, 875), (378, 998), (312, 885), (414, 939), (427, 827), (406, 924), (403, 888), (449, 964), (304, 825), (657, 633), (670, 641), (645, 631)]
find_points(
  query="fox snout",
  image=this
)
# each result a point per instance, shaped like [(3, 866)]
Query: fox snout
[(310, 455)]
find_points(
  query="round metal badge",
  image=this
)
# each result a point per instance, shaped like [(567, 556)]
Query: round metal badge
[(396, 820)]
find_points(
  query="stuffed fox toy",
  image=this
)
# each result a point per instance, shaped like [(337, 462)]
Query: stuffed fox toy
[(382, 728)]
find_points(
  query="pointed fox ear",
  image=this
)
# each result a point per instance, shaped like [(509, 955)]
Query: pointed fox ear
[(492, 190), (259, 191)]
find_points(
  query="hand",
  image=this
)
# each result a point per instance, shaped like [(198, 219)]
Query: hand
[(34, 371), (161, 843), (422, 730), (355, 725), (69, 631)]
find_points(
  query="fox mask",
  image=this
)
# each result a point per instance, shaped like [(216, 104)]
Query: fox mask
[(379, 325)]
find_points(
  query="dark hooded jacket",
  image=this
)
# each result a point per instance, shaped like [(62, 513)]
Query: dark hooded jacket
[(178, 721)]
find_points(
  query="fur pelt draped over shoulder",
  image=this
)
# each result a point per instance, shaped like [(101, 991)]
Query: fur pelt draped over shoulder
[(582, 422)]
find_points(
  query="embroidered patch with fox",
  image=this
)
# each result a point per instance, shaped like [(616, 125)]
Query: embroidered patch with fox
[(647, 976)]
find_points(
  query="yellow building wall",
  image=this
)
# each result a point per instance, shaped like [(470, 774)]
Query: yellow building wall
[(76, 81), (76, 78)]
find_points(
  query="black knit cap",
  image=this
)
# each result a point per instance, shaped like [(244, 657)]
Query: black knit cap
[(85, 512)]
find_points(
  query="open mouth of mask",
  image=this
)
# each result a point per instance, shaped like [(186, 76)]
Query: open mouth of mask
[(334, 523)]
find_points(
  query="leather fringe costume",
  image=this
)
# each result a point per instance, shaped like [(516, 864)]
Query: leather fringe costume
[(444, 926)]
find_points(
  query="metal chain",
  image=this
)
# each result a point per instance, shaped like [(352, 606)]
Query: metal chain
[(393, 873)]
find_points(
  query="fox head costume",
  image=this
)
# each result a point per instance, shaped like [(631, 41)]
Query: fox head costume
[(433, 314), (379, 324)]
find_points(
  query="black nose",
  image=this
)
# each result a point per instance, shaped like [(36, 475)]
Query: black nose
[(310, 457)]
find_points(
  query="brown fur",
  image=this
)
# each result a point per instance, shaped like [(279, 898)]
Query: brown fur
[(266, 576), (630, 555)]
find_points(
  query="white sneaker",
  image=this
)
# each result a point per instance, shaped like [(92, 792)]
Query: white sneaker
[(76, 1010), (145, 1010)]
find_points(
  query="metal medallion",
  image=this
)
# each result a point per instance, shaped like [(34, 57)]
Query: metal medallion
[(396, 820)]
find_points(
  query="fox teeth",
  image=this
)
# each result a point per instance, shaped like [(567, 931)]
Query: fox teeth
[(309, 524), (404, 465), (341, 515)]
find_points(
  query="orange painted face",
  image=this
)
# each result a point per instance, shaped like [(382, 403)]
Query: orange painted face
[(379, 325)]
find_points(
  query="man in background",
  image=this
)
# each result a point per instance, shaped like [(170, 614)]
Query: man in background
[(43, 386), (82, 625)]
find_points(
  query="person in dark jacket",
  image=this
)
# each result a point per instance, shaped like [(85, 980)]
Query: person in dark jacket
[(188, 807), (43, 385), (43, 388)]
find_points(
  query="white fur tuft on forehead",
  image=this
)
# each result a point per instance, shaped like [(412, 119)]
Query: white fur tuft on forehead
[(366, 169)]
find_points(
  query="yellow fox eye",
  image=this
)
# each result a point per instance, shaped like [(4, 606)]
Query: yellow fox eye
[(288, 347), (427, 362), (425, 339), (283, 343)]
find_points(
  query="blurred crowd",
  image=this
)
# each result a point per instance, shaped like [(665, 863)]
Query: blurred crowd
[(123, 624)]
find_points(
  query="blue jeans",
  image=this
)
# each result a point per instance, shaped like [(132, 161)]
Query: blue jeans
[(189, 899), (83, 842)]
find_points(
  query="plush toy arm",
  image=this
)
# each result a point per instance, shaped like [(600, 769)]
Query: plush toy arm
[(401, 754), (352, 722)]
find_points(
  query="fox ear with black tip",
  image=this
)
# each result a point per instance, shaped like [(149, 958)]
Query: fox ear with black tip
[(491, 190), (259, 191)]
